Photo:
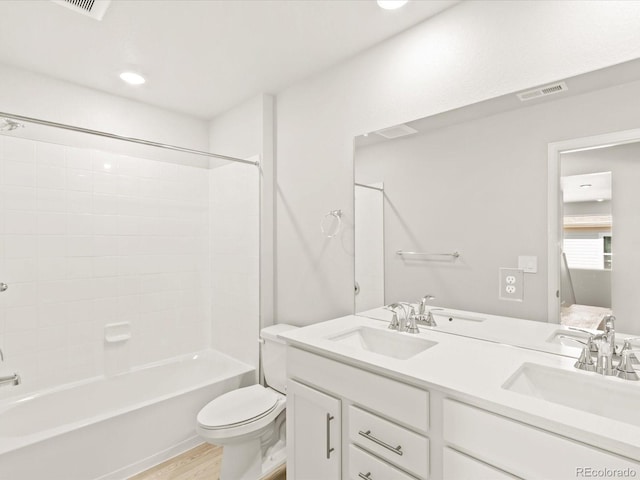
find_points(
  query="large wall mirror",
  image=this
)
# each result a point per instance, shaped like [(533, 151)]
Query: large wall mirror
[(444, 202)]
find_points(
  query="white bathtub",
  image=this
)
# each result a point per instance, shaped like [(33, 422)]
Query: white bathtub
[(110, 428)]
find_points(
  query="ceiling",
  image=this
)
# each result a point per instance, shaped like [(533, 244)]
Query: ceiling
[(200, 57), (595, 80), (588, 187)]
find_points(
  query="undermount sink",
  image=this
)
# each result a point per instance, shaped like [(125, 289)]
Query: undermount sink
[(583, 391), (383, 342)]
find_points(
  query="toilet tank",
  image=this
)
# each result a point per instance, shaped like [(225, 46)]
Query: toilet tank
[(274, 361)]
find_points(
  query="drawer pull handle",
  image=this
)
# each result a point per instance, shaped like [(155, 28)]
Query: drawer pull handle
[(329, 447), (365, 477), (397, 450)]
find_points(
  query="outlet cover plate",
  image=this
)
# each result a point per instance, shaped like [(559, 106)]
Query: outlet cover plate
[(511, 284)]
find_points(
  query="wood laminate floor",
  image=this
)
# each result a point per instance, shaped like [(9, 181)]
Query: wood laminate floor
[(199, 463)]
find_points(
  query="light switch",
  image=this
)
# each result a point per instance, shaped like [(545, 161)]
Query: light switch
[(528, 264)]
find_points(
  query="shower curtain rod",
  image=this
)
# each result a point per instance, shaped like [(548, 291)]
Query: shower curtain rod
[(126, 139)]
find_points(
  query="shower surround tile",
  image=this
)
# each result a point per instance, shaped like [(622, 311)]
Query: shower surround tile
[(89, 238)]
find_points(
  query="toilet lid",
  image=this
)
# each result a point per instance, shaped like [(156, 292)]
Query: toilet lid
[(238, 406)]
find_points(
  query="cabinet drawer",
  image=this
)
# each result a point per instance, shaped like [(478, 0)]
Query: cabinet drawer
[(378, 393), (403, 448), (458, 466), (363, 466), (518, 448)]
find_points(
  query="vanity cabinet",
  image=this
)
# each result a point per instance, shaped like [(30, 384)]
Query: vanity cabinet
[(496, 442), (384, 423), (380, 428), (314, 421)]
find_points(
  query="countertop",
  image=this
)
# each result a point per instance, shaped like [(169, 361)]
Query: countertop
[(474, 371)]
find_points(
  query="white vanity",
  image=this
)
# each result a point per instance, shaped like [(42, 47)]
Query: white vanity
[(368, 403)]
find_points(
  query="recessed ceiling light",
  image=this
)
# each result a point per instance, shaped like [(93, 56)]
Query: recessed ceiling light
[(391, 4), (132, 78), (600, 200), (586, 185)]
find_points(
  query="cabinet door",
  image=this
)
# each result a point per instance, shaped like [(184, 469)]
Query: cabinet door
[(313, 434)]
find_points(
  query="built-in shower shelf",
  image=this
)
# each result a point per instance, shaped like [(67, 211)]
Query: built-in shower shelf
[(117, 332)]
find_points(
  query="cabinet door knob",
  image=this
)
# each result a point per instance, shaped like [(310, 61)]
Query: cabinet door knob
[(3, 287)]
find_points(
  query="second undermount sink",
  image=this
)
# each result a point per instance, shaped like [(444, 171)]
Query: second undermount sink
[(383, 342), (587, 392)]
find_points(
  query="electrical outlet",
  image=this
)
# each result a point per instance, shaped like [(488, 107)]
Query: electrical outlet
[(511, 282)]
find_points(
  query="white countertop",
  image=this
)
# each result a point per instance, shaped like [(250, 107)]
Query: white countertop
[(474, 371)]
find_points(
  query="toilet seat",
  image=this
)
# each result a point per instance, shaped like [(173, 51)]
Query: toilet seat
[(240, 407)]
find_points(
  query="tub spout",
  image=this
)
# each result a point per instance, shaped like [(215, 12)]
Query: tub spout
[(10, 380)]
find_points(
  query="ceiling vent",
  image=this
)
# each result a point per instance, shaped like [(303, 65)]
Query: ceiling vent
[(543, 91), (396, 132), (91, 8)]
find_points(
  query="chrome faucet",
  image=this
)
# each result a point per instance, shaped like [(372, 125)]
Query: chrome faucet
[(409, 319), (406, 321), (10, 380), (609, 334), (426, 319), (423, 303)]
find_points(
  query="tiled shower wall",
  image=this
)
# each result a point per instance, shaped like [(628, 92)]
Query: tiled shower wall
[(87, 239)]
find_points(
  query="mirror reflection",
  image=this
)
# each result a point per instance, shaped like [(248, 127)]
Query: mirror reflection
[(600, 230), (443, 203)]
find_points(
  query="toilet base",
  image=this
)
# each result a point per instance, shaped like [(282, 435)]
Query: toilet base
[(245, 461), (242, 461)]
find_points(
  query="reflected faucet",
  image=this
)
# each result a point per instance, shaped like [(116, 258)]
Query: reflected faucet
[(427, 319)]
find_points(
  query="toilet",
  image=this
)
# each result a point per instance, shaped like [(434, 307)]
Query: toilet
[(250, 422)]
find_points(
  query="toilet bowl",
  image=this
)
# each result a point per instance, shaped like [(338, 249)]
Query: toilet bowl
[(249, 422)]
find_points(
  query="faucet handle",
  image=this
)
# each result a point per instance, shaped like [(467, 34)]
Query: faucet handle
[(626, 345), (395, 324), (585, 361), (625, 367)]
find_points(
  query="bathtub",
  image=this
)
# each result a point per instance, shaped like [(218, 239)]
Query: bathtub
[(111, 428)]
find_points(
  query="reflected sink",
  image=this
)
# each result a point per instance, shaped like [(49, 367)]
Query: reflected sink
[(590, 393), (446, 316), (575, 334), (383, 342)]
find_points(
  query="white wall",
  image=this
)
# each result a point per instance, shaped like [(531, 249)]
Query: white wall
[(472, 52), (242, 228)]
